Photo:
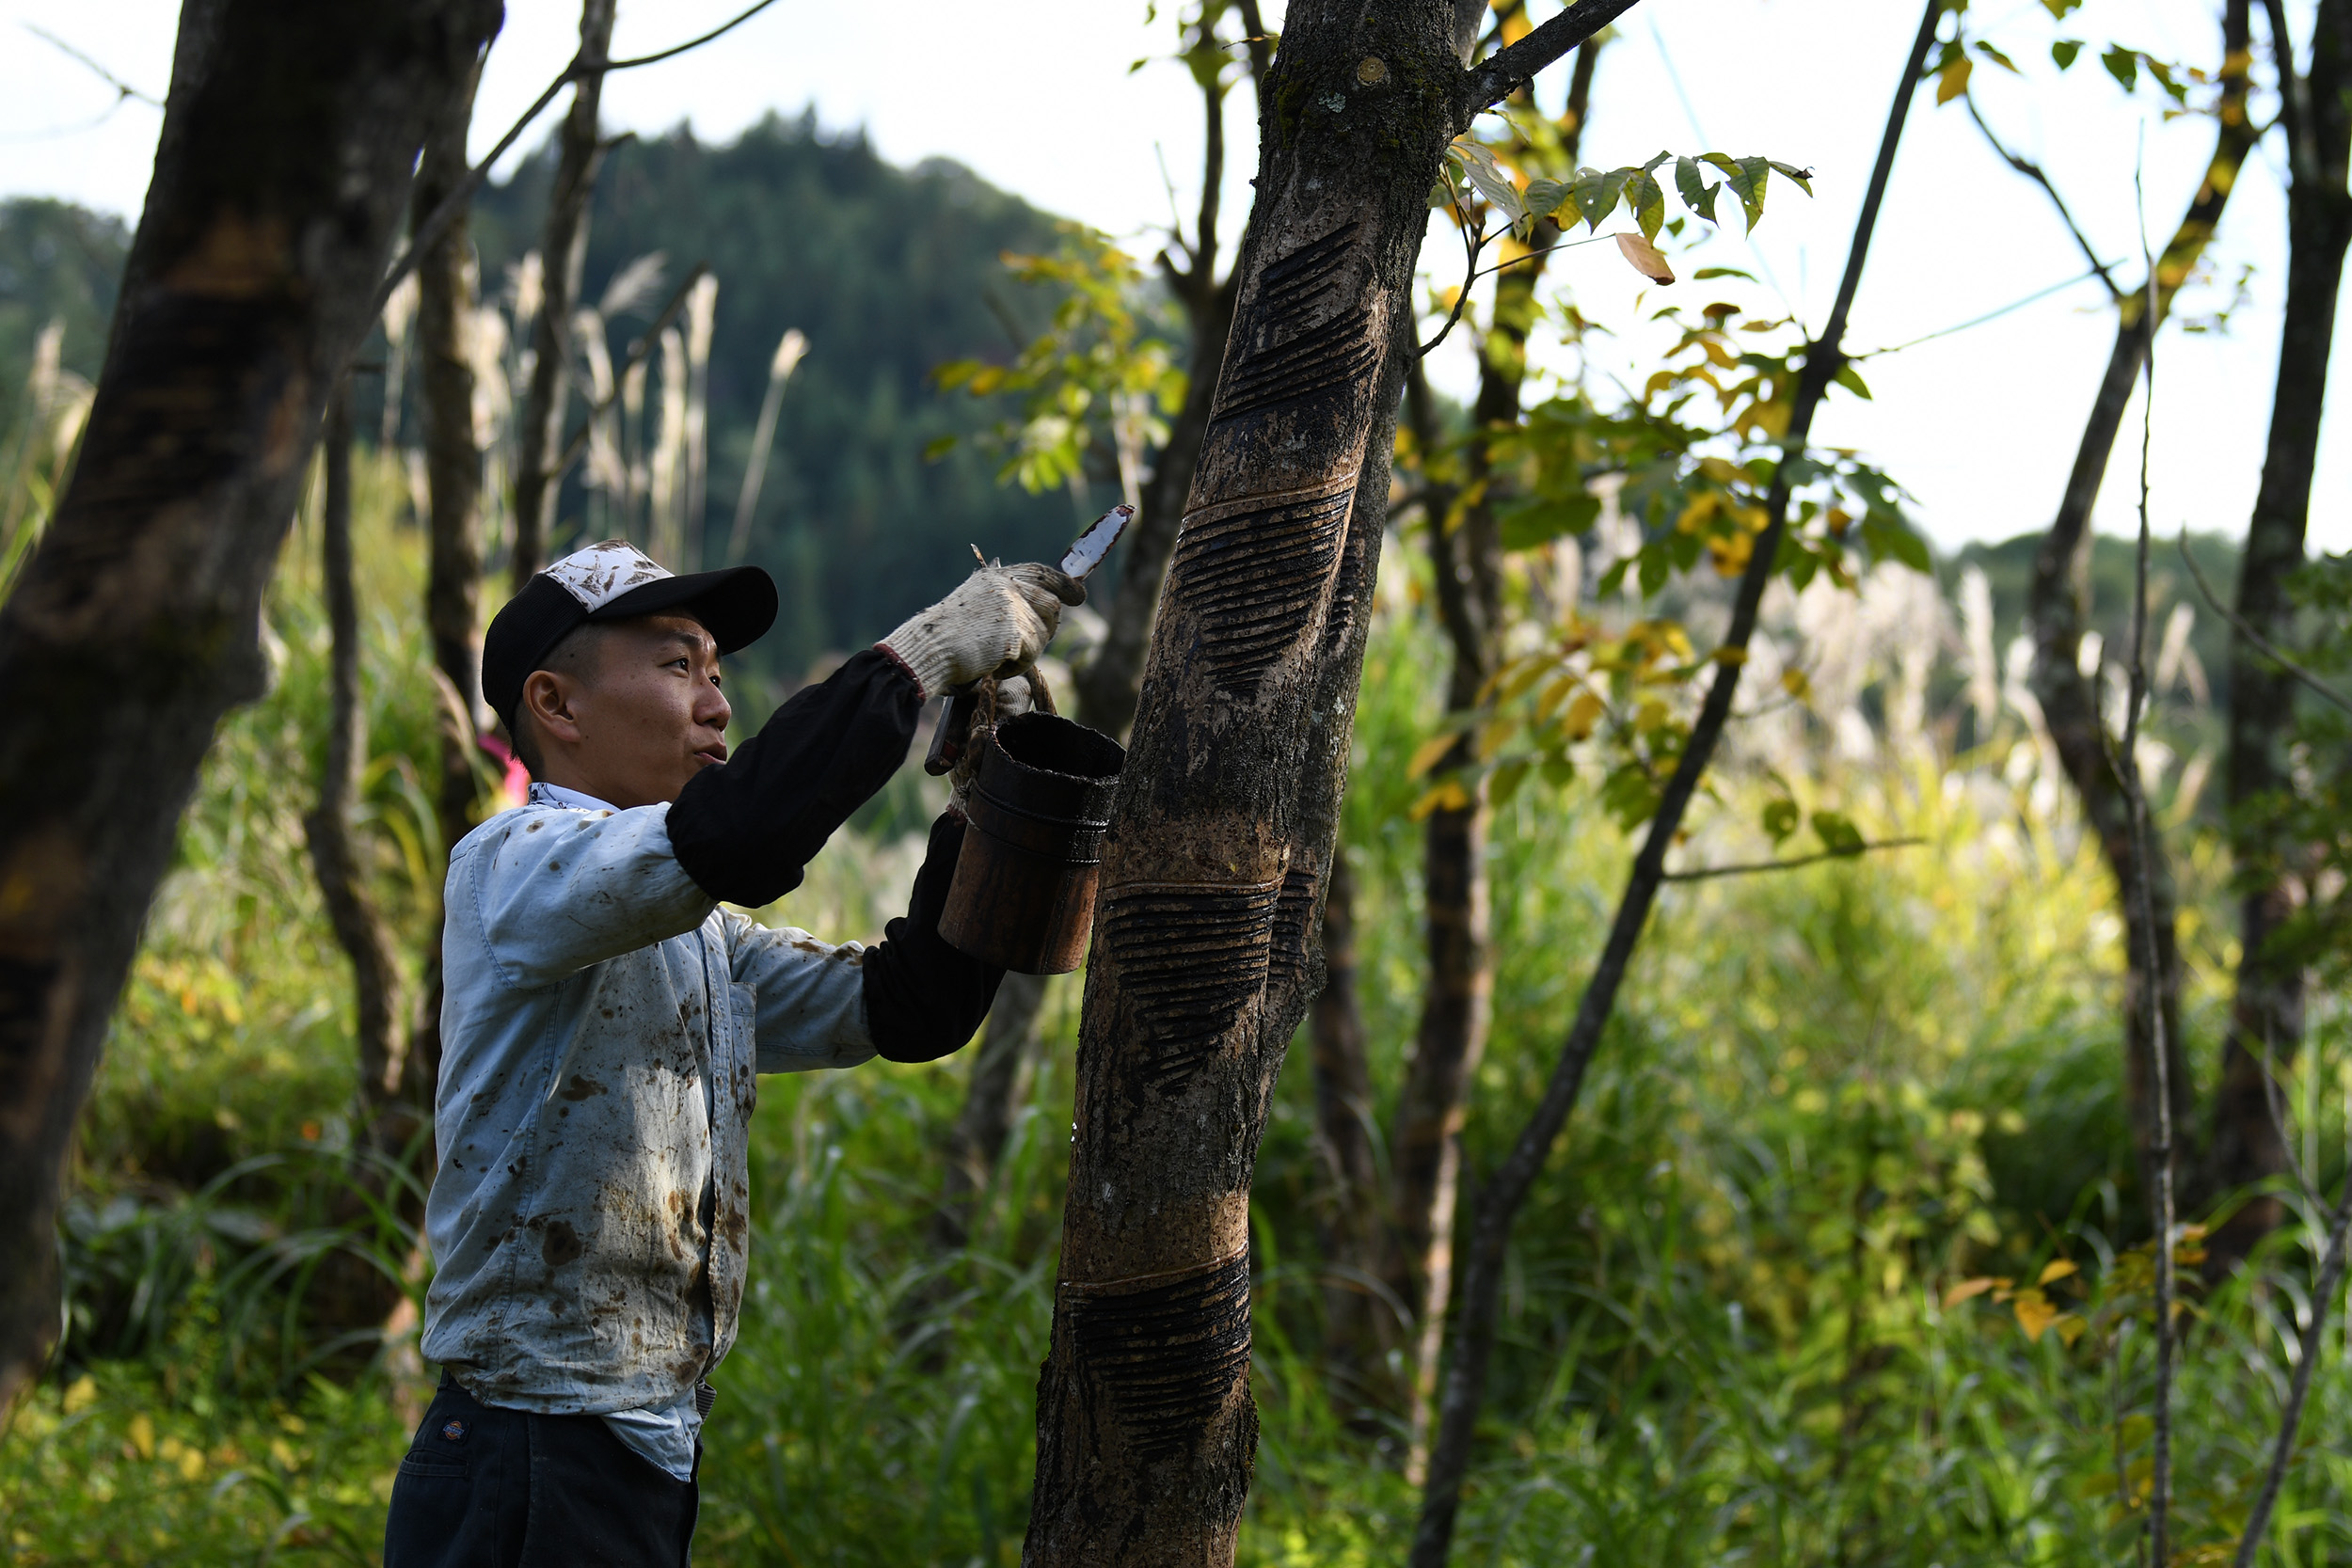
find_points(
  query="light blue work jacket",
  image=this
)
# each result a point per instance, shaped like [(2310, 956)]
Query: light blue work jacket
[(602, 1023)]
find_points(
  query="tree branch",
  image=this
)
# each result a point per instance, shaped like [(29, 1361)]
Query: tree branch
[(2032, 171), (2263, 644), (1744, 867), (1261, 43), (446, 213), (1501, 75)]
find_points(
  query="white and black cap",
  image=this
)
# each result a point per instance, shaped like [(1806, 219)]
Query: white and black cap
[(614, 580)]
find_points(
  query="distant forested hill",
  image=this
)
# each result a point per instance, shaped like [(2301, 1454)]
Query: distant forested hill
[(889, 272)]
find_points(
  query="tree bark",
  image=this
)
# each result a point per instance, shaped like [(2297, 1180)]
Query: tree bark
[(2267, 1012), (1203, 963), (285, 155), (1106, 686), (360, 927), (453, 462), (1363, 1320), (2057, 611), (1466, 550), (563, 251), (1502, 1194)]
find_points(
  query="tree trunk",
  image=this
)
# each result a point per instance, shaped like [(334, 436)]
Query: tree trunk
[(1203, 964), (1362, 1318), (1107, 685), (994, 1087), (285, 155), (1502, 1194), (360, 926), (452, 464), (1466, 550), (2055, 609), (562, 251), (2267, 1013)]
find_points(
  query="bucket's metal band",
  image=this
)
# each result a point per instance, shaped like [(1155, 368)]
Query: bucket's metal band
[(981, 792)]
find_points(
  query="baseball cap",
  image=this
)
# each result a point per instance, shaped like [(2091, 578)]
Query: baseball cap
[(614, 580)]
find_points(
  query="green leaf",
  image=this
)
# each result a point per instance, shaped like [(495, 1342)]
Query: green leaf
[(1889, 539), (1953, 79), (1837, 835), (2064, 50), (1852, 380), (1706, 273), (2124, 65), (1596, 193), (1998, 59), (1539, 522), (1779, 820), (1477, 163), (1744, 178), (938, 448), (1804, 177), (1505, 782), (2059, 8), (1647, 199), (1544, 195), (1692, 187)]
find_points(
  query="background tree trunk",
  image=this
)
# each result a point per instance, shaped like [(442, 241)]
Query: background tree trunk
[(452, 463), (285, 154), (1466, 552), (1202, 964), (1363, 1320), (360, 927), (2055, 609), (2267, 1012), (563, 251)]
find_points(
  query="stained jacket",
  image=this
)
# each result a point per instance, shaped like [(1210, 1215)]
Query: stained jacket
[(602, 1025)]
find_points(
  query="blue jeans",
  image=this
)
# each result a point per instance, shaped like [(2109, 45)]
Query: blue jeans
[(483, 1487)]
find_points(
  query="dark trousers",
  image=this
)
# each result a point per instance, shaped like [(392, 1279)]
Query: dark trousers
[(488, 1488)]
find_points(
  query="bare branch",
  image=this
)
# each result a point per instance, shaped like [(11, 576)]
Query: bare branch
[(1261, 43), (1741, 869), (2032, 171), (1503, 74), (122, 89), (2263, 644), (456, 202)]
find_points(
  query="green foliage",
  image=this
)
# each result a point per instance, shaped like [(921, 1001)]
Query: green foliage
[(1093, 382), (2303, 834), (61, 264)]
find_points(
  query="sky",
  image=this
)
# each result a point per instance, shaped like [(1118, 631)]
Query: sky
[(1039, 98)]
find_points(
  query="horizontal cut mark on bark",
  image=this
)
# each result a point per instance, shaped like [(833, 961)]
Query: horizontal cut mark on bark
[(1166, 1354), (1191, 957), (1331, 352), (1252, 572), (1297, 900)]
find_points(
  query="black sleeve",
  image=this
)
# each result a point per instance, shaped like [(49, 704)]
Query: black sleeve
[(744, 831), (923, 998)]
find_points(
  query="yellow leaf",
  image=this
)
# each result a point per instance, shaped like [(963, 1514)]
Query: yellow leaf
[(2034, 1312), (2058, 1268), (1702, 507), (1548, 701), (1431, 752), (1583, 715), (1964, 1290), (1642, 257), (1729, 655), (2069, 1328), (142, 1434), (82, 1395), (1953, 80), (1449, 795), (1794, 682), (282, 1452)]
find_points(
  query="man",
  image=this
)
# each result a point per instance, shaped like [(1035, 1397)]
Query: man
[(604, 1018)]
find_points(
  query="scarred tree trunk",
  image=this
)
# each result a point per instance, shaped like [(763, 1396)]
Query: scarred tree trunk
[(452, 463), (279, 177), (563, 251), (1203, 963), (2267, 1013), (2070, 699)]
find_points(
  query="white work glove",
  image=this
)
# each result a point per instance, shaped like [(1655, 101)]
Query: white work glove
[(999, 619)]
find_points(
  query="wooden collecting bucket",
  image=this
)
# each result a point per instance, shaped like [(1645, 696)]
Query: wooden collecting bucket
[(1024, 893)]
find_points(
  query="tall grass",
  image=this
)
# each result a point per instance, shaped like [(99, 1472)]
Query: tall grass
[(1837, 1263)]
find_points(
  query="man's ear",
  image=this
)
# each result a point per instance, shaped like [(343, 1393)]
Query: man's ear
[(548, 699)]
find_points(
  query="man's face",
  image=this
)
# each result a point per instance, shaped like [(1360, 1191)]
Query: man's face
[(637, 718)]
